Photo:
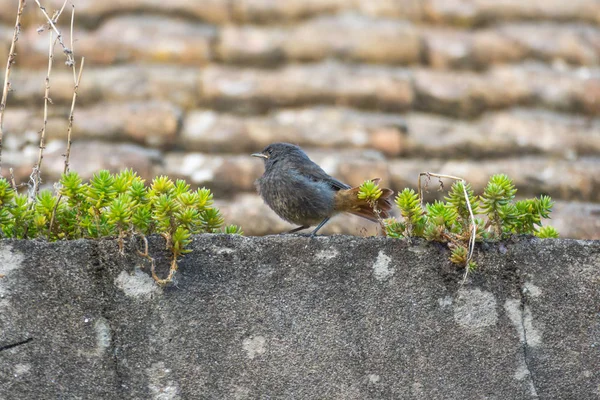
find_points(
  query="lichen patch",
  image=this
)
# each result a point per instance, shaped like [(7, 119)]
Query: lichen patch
[(381, 268), (254, 346), (475, 309), (137, 286)]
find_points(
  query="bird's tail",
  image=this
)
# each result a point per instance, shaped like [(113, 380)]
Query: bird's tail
[(347, 201)]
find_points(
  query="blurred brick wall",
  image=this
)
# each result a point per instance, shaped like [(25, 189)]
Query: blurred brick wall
[(377, 88)]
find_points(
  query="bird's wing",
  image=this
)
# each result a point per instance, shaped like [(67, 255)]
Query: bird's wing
[(315, 173)]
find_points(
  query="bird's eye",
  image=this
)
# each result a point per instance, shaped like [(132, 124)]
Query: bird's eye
[(269, 151)]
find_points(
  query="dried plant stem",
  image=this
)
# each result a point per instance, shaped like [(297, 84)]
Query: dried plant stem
[(72, 45), (71, 115), (37, 170), (172, 269), (55, 18), (68, 52), (76, 80), (169, 278), (472, 217), (53, 217), (9, 62), (12, 179)]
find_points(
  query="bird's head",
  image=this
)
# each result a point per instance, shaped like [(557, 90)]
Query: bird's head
[(276, 152)]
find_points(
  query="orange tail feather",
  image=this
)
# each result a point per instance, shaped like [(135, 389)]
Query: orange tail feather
[(348, 201)]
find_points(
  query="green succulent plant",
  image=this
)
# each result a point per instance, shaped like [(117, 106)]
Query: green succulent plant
[(113, 205), (454, 220)]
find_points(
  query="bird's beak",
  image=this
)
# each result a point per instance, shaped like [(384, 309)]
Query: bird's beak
[(261, 155)]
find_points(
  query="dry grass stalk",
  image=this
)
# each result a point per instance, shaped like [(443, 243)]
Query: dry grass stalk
[(76, 81), (37, 169), (471, 216), (36, 174), (71, 115), (9, 62)]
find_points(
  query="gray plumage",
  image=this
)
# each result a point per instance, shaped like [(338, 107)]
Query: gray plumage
[(296, 188), (300, 192)]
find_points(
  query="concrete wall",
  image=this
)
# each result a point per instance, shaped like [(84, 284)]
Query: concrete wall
[(369, 88), (291, 317)]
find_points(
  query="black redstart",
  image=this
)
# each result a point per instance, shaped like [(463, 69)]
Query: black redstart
[(300, 192)]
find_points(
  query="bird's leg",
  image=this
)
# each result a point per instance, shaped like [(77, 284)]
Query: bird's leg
[(313, 233), (297, 229)]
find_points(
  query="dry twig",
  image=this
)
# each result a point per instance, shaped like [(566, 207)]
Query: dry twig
[(51, 21), (9, 62), (12, 179)]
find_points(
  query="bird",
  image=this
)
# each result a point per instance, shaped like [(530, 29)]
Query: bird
[(300, 192)]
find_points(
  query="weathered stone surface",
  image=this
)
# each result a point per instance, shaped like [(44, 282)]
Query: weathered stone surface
[(576, 44), (148, 39), (576, 219), (6, 32), (458, 12), (383, 88), (561, 88), (405, 172), (176, 84), (467, 94), (208, 131), (153, 123), (24, 124), (250, 44), (88, 157), (194, 80), (276, 11), (538, 131), (347, 37), (454, 48), (121, 39), (230, 174), (90, 12), (471, 12), (251, 90), (249, 211), (504, 133), (412, 10), (447, 48), (297, 318), (70, 343), (562, 179), (224, 175), (21, 160), (324, 127)]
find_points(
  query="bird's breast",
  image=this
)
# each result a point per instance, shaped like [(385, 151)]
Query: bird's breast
[(296, 198)]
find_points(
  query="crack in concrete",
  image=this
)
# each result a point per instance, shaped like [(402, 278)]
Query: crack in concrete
[(13, 345), (525, 346), (101, 276)]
